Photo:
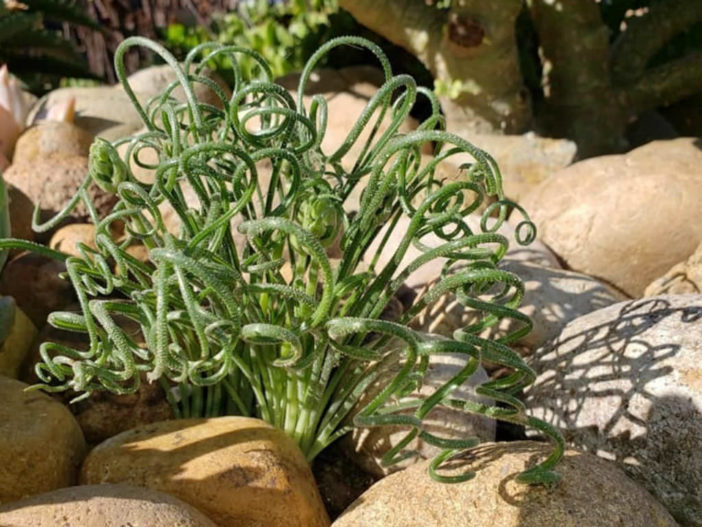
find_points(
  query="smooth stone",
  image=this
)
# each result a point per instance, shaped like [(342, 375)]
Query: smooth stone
[(625, 219), (592, 493), (21, 210), (33, 281), (41, 445), (552, 298), (102, 506), (16, 346), (625, 382), (153, 81), (52, 137), (67, 238), (102, 111), (51, 182), (366, 446), (524, 160), (239, 471), (534, 253), (347, 91), (682, 278)]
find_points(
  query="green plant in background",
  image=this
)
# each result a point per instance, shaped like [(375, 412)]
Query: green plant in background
[(38, 55), (242, 311), (286, 34)]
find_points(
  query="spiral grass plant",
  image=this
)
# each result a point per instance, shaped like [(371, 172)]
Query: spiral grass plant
[(258, 320)]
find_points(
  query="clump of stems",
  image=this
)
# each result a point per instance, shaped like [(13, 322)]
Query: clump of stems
[(242, 311)]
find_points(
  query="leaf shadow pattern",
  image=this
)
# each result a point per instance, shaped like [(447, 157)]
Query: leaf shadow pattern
[(624, 383)]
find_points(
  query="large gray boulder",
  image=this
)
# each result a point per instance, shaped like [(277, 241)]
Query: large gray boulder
[(625, 382)]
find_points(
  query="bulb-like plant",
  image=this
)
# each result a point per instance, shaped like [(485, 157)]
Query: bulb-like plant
[(258, 320)]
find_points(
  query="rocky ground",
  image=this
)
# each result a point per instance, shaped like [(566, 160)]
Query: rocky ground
[(613, 284)]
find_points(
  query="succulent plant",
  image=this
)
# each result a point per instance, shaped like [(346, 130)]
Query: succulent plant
[(227, 329)]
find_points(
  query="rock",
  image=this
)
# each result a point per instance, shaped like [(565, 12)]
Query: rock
[(152, 81), (625, 382), (340, 480), (102, 506), (33, 280), (67, 238), (52, 181), (625, 219), (41, 445), (239, 471), (17, 344), (52, 138), (104, 415), (347, 92), (534, 253), (21, 211), (591, 493), (524, 160), (685, 277), (366, 446), (552, 298), (102, 111)]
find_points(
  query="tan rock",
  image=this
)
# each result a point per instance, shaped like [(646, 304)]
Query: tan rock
[(152, 81), (33, 281), (52, 138), (51, 182), (367, 446), (239, 471), (524, 160), (41, 445), (591, 493), (101, 111), (17, 344), (552, 298), (104, 415), (102, 506), (21, 210), (347, 92), (625, 219), (683, 278), (625, 382), (537, 252), (67, 238)]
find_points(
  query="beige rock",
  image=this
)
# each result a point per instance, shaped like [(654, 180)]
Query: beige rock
[(21, 210), (534, 253), (17, 344), (101, 111), (52, 181), (67, 238), (683, 278), (591, 493), (239, 471), (41, 445), (102, 506), (52, 138), (524, 160), (104, 415), (366, 446), (552, 298), (347, 91), (33, 280), (625, 219), (625, 382), (152, 81)]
